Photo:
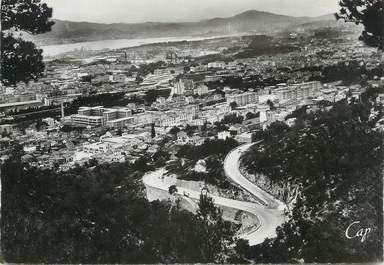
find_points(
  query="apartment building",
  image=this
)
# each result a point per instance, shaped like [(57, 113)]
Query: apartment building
[(172, 118), (243, 99), (183, 85), (146, 118), (84, 120), (179, 116), (96, 148), (216, 65), (120, 123), (298, 91), (215, 113)]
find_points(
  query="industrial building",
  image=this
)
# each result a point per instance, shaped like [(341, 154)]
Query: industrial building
[(100, 116)]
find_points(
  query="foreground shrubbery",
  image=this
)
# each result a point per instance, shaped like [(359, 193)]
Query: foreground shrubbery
[(100, 215)]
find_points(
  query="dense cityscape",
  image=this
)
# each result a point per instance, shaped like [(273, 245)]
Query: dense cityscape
[(257, 147)]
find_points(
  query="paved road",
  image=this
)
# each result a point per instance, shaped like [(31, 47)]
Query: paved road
[(269, 211)]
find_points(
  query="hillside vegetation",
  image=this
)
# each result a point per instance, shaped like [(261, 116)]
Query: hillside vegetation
[(336, 156)]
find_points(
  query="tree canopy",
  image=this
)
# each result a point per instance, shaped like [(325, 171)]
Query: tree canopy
[(21, 60), (369, 13)]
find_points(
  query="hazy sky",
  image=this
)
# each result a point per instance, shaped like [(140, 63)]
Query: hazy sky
[(110, 11)]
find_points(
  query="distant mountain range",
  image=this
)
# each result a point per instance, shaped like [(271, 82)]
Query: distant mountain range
[(249, 21)]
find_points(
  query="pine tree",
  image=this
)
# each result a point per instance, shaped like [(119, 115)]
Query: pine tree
[(369, 13), (215, 236), (21, 60)]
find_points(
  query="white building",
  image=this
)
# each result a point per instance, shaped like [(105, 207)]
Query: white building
[(146, 118), (161, 100), (96, 148), (290, 122), (263, 109), (216, 65), (244, 138), (380, 98), (298, 91), (183, 85), (201, 90), (200, 166), (29, 148), (215, 112), (100, 116), (9, 90), (49, 121), (266, 97), (84, 120), (178, 89), (223, 135), (243, 99)]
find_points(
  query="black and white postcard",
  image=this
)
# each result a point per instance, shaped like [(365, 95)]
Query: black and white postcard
[(192, 131)]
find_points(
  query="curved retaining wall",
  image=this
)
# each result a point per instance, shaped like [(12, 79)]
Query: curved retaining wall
[(191, 204)]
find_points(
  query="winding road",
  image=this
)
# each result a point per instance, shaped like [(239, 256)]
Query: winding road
[(269, 210)]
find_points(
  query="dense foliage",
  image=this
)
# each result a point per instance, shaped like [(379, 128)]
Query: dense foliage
[(369, 13), (31, 115), (105, 99), (349, 72), (232, 119), (337, 157), (145, 69), (216, 235), (152, 94), (213, 153), (21, 60), (209, 147), (100, 215), (264, 45), (244, 84)]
